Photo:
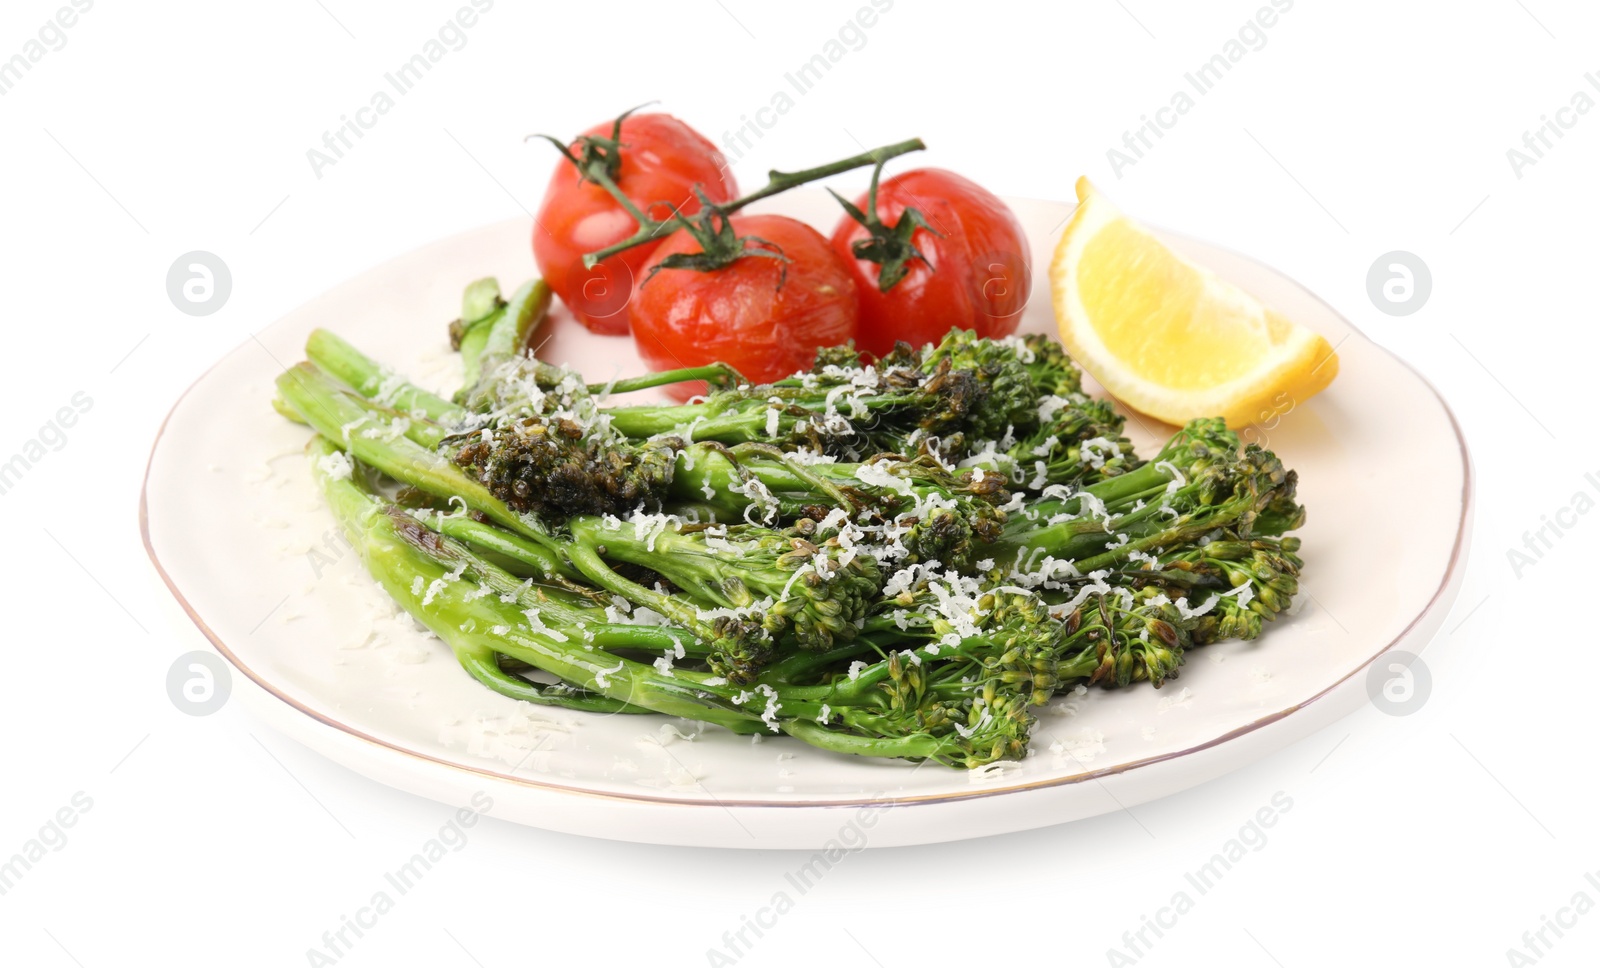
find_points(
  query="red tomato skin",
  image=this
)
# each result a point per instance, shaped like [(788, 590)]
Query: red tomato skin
[(981, 272), (662, 160), (738, 314)]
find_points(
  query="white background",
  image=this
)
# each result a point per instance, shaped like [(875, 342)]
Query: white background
[(1360, 128)]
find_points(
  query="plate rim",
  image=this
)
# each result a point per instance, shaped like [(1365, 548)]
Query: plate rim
[(1456, 561)]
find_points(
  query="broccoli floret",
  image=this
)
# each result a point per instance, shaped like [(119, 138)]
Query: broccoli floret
[(843, 356), (1053, 373), (984, 387), (1200, 482), (1081, 443), (1239, 583), (552, 468)]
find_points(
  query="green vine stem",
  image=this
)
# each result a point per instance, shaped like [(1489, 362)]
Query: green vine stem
[(889, 246), (598, 161)]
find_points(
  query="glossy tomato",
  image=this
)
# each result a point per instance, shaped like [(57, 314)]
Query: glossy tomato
[(740, 314), (977, 272), (662, 159)]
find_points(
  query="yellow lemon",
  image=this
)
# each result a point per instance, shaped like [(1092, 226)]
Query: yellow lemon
[(1168, 337)]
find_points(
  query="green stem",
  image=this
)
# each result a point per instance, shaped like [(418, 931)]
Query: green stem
[(525, 309), (567, 607), (648, 421), (508, 338), (802, 666), (718, 373), (777, 181), (528, 554), (341, 360), (596, 570), (481, 305), (809, 479), (917, 746), (486, 669), (342, 417)]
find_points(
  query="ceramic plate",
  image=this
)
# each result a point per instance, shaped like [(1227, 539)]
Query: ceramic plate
[(253, 560)]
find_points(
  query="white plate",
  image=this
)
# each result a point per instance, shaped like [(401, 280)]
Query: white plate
[(230, 519)]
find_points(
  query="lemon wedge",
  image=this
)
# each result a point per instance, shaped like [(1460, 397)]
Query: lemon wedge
[(1170, 338)]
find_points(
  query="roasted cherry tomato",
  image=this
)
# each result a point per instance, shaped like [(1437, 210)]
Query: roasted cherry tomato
[(974, 270), (661, 159), (764, 316)]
